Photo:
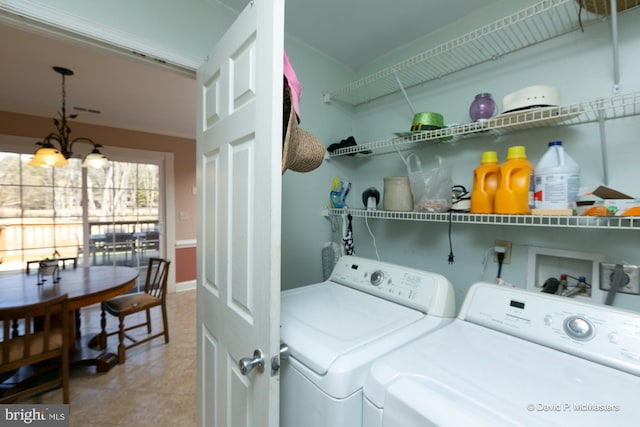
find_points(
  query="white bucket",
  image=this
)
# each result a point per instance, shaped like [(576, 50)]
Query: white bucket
[(557, 179), (397, 194)]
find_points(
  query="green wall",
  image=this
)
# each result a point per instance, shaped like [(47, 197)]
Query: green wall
[(579, 64)]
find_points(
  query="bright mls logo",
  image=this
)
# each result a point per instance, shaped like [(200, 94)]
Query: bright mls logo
[(36, 415)]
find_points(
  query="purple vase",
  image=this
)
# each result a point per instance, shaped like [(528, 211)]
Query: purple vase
[(483, 107)]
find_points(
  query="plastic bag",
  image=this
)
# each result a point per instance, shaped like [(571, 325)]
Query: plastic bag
[(431, 189)]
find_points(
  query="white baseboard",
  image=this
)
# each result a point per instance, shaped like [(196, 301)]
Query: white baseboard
[(187, 243), (186, 286)]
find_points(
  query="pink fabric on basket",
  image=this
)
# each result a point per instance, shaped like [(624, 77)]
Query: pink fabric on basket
[(294, 84)]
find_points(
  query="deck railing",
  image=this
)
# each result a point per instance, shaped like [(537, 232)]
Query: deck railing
[(112, 240)]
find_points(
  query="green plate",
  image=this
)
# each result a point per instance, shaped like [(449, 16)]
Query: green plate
[(410, 133)]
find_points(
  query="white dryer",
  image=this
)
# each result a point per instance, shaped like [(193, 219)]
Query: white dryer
[(334, 330), (513, 358)]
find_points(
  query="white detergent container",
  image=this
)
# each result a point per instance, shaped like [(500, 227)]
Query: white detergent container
[(557, 179)]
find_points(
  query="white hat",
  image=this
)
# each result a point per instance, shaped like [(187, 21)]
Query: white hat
[(531, 97)]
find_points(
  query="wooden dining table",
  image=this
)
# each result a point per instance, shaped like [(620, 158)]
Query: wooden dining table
[(84, 286)]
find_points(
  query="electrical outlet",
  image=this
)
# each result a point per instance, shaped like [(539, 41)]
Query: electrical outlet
[(507, 253), (631, 283)]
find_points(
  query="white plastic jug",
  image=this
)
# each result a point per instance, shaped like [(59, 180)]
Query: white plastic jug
[(557, 179)]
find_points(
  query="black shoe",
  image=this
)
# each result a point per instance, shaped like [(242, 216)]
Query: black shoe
[(349, 142)]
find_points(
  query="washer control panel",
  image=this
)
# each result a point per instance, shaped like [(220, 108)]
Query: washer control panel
[(599, 333), (427, 292)]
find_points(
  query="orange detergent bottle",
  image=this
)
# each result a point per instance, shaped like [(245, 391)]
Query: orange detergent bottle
[(514, 195), (486, 178)]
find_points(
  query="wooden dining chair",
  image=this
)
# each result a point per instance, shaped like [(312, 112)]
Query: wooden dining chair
[(154, 295), (42, 335)]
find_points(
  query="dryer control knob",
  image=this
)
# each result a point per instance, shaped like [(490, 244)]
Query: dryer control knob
[(377, 277), (579, 328)]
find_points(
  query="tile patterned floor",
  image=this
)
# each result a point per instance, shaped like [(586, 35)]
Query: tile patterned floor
[(156, 385)]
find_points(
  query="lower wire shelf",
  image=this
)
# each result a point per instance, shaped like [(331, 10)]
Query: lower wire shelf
[(609, 222)]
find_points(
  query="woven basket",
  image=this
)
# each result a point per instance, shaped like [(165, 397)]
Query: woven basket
[(602, 7)]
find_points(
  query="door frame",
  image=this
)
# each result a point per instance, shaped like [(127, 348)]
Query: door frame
[(61, 24)]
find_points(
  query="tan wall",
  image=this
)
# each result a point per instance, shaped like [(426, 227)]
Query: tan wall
[(183, 149)]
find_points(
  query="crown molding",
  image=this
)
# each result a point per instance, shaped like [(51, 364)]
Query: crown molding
[(55, 22)]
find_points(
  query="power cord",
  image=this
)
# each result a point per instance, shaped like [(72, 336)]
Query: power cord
[(451, 256), (366, 221), (500, 250), (484, 261)]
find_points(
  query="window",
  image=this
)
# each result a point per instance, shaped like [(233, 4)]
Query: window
[(40, 211), (101, 216), (123, 212)]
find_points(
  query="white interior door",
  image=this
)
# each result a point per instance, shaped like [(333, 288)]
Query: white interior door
[(239, 145)]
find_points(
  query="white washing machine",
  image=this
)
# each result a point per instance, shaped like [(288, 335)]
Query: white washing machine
[(334, 331), (513, 358)]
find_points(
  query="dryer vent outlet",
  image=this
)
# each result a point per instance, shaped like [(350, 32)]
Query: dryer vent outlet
[(630, 281)]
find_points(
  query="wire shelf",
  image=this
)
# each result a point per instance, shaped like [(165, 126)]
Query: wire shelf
[(610, 223), (618, 106), (543, 21)]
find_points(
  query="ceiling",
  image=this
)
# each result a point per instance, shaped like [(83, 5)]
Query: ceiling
[(134, 94), (129, 93), (355, 32)]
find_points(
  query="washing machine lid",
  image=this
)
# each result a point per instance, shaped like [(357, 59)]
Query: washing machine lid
[(321, 322), (466, 374)]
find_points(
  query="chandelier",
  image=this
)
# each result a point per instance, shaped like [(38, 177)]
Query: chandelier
[(50, 156)]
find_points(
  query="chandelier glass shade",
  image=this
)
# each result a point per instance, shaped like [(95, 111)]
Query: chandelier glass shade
[(48, 155)]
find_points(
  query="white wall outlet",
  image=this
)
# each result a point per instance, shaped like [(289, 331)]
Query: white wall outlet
[(506, 244), (631, 283), (544, 263)]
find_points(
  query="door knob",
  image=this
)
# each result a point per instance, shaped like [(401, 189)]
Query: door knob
[(284, 351), (247, 364)]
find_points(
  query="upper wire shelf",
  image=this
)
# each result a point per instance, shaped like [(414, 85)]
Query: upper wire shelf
[(540, 22), (615, 107), (610, 222)]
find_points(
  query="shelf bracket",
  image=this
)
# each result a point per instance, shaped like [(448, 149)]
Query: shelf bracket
[(614, 42), (413, 111), (603, 144)]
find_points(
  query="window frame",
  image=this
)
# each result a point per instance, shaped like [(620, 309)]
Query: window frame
[(164, 160)]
